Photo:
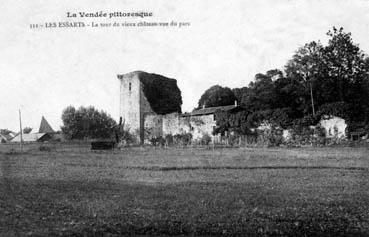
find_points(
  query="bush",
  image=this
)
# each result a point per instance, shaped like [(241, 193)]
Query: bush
[(86, 123), (319, 136), (339, 109), (307, 136), (233, 140), (169, 139), (127, 138), (44, 148), (157, 141), (182, 139), (205, 139), (270, 137)]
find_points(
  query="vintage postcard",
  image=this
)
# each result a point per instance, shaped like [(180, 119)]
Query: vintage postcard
[(186, 118)]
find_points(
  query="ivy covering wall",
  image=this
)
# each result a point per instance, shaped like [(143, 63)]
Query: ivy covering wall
[(161, 92)]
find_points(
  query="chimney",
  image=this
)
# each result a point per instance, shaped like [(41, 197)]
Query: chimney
[(235, 103)]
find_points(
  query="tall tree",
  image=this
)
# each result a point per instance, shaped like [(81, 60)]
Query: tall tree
[(262, 94), (241, 94), (217, 96), (345, 61), (348, 70), (306, 66), (290, 94)]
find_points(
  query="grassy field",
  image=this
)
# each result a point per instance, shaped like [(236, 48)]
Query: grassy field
[(72, 191)]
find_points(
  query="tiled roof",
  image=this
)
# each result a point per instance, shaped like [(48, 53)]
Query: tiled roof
[(6, 137), (30, 137)]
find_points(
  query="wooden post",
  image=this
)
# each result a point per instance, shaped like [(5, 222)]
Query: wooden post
[(312, 98), (21, 131)]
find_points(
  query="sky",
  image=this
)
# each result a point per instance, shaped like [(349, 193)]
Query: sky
[(43, 71)]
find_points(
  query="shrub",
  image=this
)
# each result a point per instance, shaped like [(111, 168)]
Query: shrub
[(127, 138), (169, 139), (205, 139), (44, 148), (86, 122), (182, 139), (157, 141), (270, 137), (339, 109), (307, 135), (319, 136)]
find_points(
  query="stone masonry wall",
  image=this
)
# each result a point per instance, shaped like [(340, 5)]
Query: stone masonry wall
[(174, 124), (153, 126), (146, 113), (129, 102), (334, 126), (196, 125), (201, 125)]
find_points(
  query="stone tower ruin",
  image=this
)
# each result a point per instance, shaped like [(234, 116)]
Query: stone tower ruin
[(143, 94)]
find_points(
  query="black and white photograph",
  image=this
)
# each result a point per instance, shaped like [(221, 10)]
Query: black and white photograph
[(184, 118)]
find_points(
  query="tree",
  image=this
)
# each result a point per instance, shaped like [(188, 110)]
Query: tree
[(232, 122), (306, 66), (261, 93), (317, 80), (345, 61), (274, 74), (348, 69), (5, 131), (216, 96), (27, 130), (241, 94), (86, 122), (290, 94)]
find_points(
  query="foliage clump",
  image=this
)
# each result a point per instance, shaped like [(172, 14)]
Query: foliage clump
[(126, 138), (162, 93), (216, 96), (319, 80), (157, 141), (86, 123), (205, 139)]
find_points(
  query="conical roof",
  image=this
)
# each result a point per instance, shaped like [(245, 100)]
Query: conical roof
[(45, 127)]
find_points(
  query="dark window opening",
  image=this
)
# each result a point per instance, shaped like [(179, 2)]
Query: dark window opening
[(129, 86)]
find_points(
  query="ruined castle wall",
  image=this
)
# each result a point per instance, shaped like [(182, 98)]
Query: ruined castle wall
[(150, 122), (153, 126), (334, 126), (174, 124), (140, 119), (201, 125), (134, 106), (171, 124), (196, 125), (145, 105), (130, 101), (184, 124)]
